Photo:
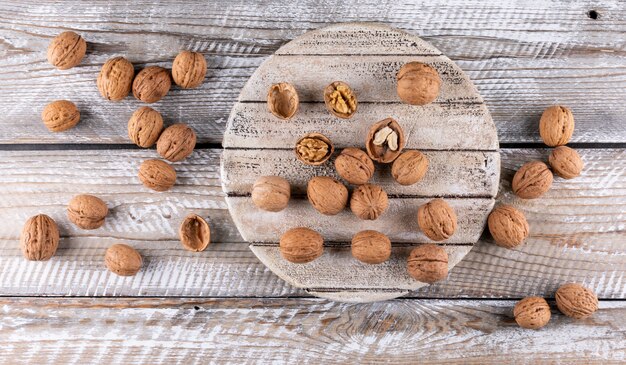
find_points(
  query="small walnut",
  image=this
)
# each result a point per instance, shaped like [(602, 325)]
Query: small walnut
[(123, 260), (437, 219), (283, 100), (385, 141), (508, 226), (151, 84), (556, 125), (87, 211), (532, 180), (271, 193), (301, 245), (189, 69), (340, 100), (194, 233), (66, 50), (39, 239), (532, 313), (314, 149), (157, 175), (354, 166), (409, 168), (428, 263), (60, 115), (115, 79), (418, 83), (371, 247), (327, 195), (566, 162), (576, 301), (176, 142), (145, 126), (369, 201)]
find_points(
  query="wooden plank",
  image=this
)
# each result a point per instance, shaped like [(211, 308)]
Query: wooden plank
[(245, 331)]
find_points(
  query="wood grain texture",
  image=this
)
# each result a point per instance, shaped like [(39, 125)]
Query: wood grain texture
[(302, 331)]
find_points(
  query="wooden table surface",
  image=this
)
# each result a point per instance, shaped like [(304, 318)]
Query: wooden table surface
[(223, 304)]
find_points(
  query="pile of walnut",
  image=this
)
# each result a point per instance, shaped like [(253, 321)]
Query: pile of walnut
[(40, 236)]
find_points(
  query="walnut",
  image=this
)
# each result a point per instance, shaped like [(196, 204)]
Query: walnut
[(369, 201), (157, 175), (151, 84), (145, 126), (115, 79), (576, 301), (176, 142), (437, 220), (556, 125), (60, 115), (66, 50), (532, 180), (123, 260), (409, 168), (87, 211), (532, 313), (189, 69), (283, 100), (194, 233), (428, 263), (301, 245), (354, 166), (327, 195), (314, 149), (340, 100), (371, 247), (566, 162), (418, 83), (271, 193), (39, 239), (385, 141), (508, 226)]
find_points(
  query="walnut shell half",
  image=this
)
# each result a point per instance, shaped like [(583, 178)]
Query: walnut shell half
[(385, 141), (283, 100), (194, 233)]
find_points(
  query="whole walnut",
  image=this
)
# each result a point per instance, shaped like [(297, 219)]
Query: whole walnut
[(532, 180), (532, 313), (576, 301), (437, 219), (151, 84), (115, 79), (194, 233), (354, 166), (157, 175), (409, 168), (123, 260), (189, 69), (566, 162), (369, 201), (556, 125), (271, 193), (60, 115), (87, 211), (176, 142), (39, 239), (371, 247), (66, 50), (301, 245), (145, 126), (418, 83), (508, 226), (428, 263), (327, 195)]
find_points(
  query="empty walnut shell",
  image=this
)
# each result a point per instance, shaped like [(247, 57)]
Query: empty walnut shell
[(151, 84), (66, 50), (556, 125), (576, 301), (145, 126), (87, 211), (189, 69), (437, 220), (508, 226), (532, 313), (369, 201), (301, 245), (60, 115), (314, 149), (354, 166), (194, 233), (271, 193), (176, 142), (123, 260), (39, 239), (428, 263), (115, 79), (327, 195), (385, 141), (409, 168), (283, 100), (340, 100), (566, 162), (371, 247), (157, 175), (532, 180), (418, 83)]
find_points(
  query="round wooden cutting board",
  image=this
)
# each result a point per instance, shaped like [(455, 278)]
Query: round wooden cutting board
[(456, 133)]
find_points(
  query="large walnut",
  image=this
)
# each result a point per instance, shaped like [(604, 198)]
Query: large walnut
[(418, 83), (437, 220), (566, 162), (39, 239), (532, 313), (123, 260), (301, 245), (66, 50), (87, 211), (271, 193), (151, 84), (145, 126), (369, 201), (409, 168), (176, 142), (327, 195), (371, 247), (556, 125), (576, 301), (60, 115), (428, 263), (354, 166), (189, 69), (508, 226), (532, 180), (157, 175), (115, 79)]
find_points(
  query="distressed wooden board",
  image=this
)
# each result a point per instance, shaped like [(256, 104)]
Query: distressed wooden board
[(299, 331)]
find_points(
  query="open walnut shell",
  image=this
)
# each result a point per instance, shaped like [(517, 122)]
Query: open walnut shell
[(340, 100), (385, 141), (314, 149), (283, 100)]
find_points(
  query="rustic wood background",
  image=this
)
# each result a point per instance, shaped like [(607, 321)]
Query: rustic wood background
[(223, 304)]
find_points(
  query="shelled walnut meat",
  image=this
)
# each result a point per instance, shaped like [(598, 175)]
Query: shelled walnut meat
[(157, 175), (532, 180), (145, 126), (437, 220), (301, 245), (566, 162), (60, 115), (371, 247), (428, 263), (271, 193), (409, 168), (176, 142), (283, 100), (39, 239), (418, 83), (194, 233), (189, 69), (508, 226), (314, 149), (340, 100), (87, 211), (66, 50), (354, 166), (576, 301), (556, 125), (369, 201), (123, 260), (115, 79), (327, 195), (532, 313), (385, 141), (151, 84)]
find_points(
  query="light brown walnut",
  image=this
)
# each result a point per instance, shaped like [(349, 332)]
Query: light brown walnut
[(115, 79), (283, 100), (354, 166), (87, 211), (123, 260), (66, 50), (176, 142), (428, 263), (314, 149), (194, 233), (340, 100), (532, 180), (532, 313), (271, 193), (371, 247), (418, 83), (60, 115), (151, 84), (508, 226), (409, 168), (369, 201), (189, 69), (145, 126), (301, 245), (157, 175), (39, 239), (437, 220), (566, 162), (327, 195), (576, 301), (556, 125)]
